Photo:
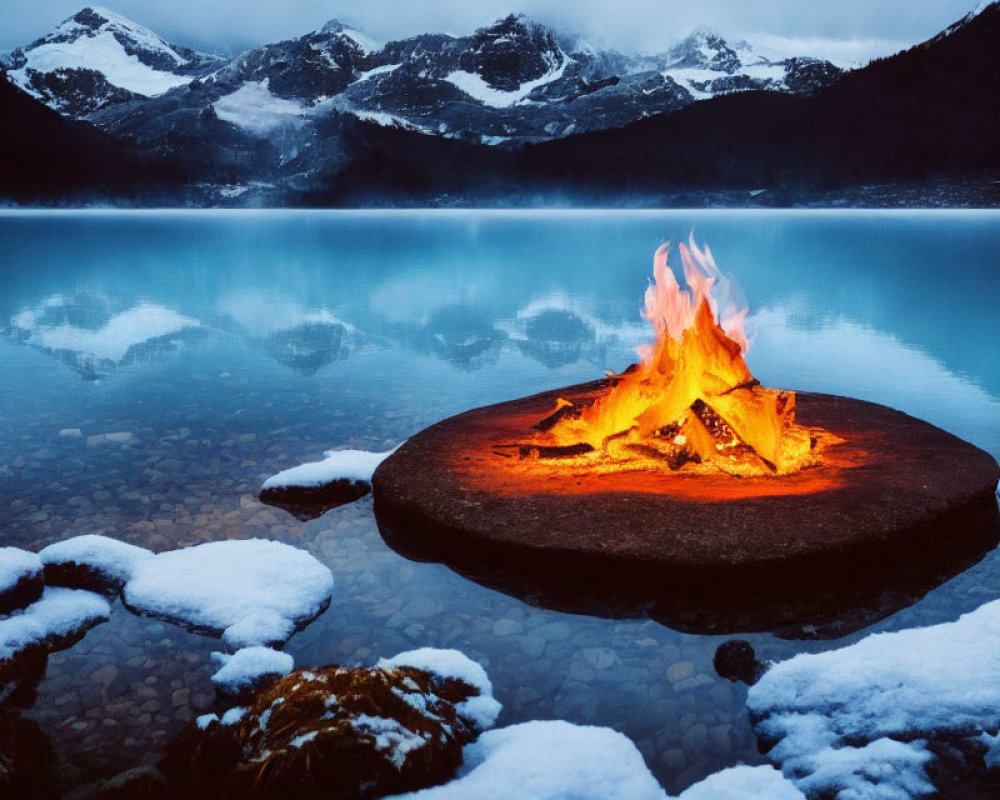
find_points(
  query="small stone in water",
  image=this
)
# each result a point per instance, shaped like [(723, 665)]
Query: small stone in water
[(735, 660), (105, 675), (682, 670), (506, 627)]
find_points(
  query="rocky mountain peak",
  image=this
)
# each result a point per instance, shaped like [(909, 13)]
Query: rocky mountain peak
[(704, 49), (347, 32), (97, 58), (512, 51), (88, 17), (334, 26)]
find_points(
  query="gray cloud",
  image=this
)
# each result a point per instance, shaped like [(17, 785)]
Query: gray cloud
[(632, 25)]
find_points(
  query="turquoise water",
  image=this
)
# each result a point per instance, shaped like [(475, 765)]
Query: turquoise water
[(231, 345)]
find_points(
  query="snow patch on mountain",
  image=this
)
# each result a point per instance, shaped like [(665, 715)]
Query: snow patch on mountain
[(385, 69), (386, 120), (102, 53), (255, 110), (478, 89), (142, 36)]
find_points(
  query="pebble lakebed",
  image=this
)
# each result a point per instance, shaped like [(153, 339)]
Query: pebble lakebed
[(115, 699)]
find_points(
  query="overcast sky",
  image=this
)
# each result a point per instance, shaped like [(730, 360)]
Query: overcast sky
[(851, 27)]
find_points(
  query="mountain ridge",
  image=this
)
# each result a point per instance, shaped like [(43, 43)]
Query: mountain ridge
[(332, 118)]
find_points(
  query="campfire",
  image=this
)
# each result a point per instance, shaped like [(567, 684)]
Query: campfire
[(683, 483), (691, 403)]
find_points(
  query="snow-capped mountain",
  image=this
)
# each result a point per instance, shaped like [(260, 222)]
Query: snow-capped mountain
[(706, 65), (328, 118), (956, 26), (97, 58), (283, 115), (515, 80)]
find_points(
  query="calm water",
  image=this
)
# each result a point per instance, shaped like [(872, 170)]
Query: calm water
[(224, 347)]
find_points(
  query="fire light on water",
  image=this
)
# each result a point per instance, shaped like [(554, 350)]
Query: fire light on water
[(691, 403)]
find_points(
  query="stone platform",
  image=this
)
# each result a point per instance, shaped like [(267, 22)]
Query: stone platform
[(897, 500)]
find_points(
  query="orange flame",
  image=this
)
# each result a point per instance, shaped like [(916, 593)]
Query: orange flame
[(691, 403)]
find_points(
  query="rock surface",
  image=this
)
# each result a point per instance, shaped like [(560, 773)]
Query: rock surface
[(309, 502), (898, 496)]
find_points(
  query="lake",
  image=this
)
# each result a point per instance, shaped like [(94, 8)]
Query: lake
[(160, 365)]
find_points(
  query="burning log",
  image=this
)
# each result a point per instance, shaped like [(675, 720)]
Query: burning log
[(541, 451), (692, 399), (564, 410)]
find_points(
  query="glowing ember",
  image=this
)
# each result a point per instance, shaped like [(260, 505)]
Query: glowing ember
[(691, 403)]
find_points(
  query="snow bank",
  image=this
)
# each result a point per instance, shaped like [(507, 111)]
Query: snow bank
[(59, 613), (549, 760), (556, 760), (110, 557), (244, 668), (351, 465), (255, 592), (253, 108), (17, 565), (743, 783), (854, 722), (482, 711)]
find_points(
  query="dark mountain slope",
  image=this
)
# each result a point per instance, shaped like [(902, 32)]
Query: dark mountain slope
[(45, 158), (928, 112), (931, 110)]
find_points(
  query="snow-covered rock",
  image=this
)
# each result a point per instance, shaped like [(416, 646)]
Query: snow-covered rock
[(248, 666), (311, 489), (60, 614), (549, 760), (352, 465), (479, 710), (252, 592), (91, 561), (860, 722), (335, 732), (20, 578)]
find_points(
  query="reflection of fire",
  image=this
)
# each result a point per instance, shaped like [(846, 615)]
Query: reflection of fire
[(691, 403)]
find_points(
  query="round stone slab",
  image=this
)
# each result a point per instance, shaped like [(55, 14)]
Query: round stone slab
[(896, 492)]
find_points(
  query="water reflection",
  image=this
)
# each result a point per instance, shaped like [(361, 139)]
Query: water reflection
[(95, 336), (462, 337), (844, 356), (309, 346), (822, 605)]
